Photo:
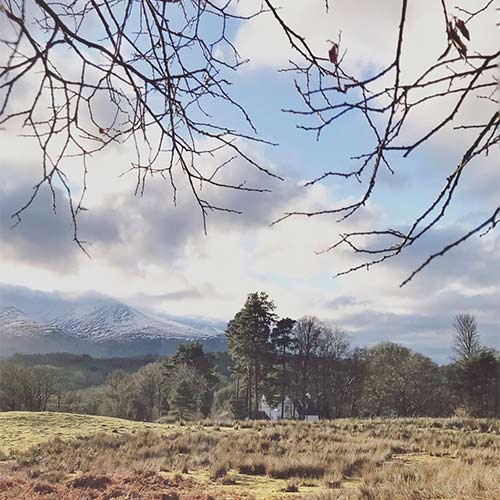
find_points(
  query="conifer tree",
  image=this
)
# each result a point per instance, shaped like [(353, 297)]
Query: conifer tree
[(183, 401), (249, 344), (192, 355), (282, 339)]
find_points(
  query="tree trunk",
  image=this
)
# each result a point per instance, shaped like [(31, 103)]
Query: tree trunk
[(256, 374), (283, 382), (249, 390)]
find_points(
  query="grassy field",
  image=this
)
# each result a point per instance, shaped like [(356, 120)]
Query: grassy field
[(20, 430), (51, 455)]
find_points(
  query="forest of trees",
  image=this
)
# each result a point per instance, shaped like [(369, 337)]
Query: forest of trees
[(308, 361)]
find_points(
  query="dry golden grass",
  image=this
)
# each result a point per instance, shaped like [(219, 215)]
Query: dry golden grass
[(20, 430), (351, 459)]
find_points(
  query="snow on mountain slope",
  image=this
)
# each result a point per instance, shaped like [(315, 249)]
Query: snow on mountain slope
[(36, 321), (20, 333), (208, 326), (109, 320), (15, 323)]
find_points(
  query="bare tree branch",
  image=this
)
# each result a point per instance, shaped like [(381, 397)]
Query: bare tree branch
[(329, 93), (156, 67)]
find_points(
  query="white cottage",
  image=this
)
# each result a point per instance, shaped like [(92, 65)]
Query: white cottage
[(274, 412)]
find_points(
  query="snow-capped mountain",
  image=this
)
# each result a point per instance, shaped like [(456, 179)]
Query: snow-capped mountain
[(95, 325), (106, 321)]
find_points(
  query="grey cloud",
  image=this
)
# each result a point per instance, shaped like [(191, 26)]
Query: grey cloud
[(258, 209), (428, 328), (152, 229), (473, 263), (192, 293), (24, 298), (131, 231), (42, 238), (178, 295), (466, 280), (38, 303), (344, 301)]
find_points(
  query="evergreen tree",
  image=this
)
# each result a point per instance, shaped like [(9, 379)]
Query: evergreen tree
[(249, 344), (237, 407), (281, 335), (192, 355), (183, 401), (283, 341), (479, 378)]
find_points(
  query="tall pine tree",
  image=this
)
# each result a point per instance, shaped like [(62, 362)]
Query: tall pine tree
[(283, 341), (249, 344)]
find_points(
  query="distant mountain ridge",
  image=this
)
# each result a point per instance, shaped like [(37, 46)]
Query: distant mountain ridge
[(14, 322), (105, 321), (20, 333), (99, 327)]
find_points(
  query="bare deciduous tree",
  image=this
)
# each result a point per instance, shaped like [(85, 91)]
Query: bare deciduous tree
[(27, 388), (307, 340), (466, 340)]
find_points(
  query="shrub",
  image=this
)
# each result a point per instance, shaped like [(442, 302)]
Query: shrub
[(90, 481), (218, 471), (291, 488), (252, 468), (333, 480), (228, 480), (285, 469), (43, 488)]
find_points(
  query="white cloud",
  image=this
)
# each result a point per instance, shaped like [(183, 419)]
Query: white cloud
[(369, 34)]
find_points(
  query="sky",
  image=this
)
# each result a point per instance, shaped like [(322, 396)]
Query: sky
[(152, 254)]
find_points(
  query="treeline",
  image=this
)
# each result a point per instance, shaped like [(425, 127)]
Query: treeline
[(82, 370), (308, 364), (313, 364), (178, 387)]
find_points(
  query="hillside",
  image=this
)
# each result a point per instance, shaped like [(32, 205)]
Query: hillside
[(22, 429), (112, 321), (16, 323)]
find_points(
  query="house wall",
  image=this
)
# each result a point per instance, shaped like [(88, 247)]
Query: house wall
[(312, 418), (274, 413)]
